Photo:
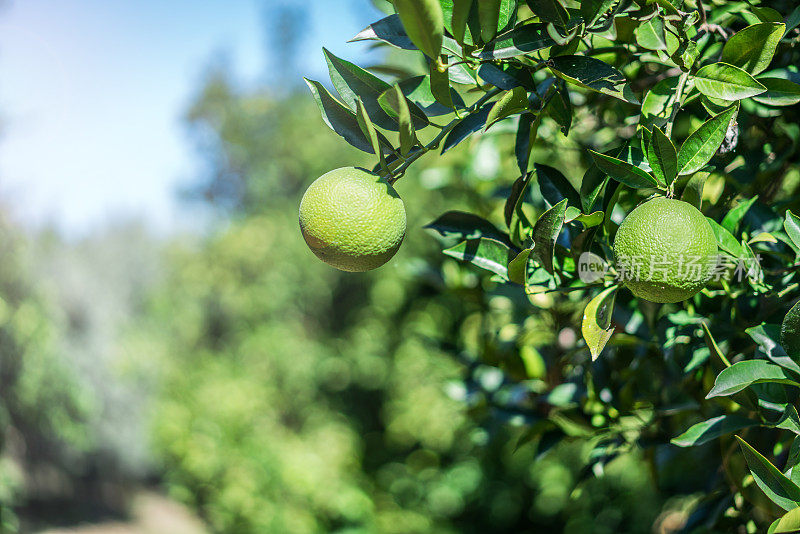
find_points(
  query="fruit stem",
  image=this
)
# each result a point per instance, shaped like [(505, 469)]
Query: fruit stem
[(398, 173)]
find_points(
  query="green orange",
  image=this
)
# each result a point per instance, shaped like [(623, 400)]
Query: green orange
[(352, 219), (665, 250)]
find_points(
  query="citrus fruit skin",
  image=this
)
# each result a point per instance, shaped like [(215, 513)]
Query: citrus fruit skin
[(665, 250), (352, 219)]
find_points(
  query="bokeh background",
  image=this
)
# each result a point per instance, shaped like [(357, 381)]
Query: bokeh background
[(172, 357)]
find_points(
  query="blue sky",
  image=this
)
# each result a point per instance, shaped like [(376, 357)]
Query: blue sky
[(92, 93)]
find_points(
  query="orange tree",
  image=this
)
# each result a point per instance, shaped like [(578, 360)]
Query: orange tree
[(612, 104)]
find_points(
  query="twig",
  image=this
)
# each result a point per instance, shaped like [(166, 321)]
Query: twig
[(677, 102)]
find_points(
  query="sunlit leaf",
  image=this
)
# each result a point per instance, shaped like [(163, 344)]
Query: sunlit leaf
[(772, 482), (593, 74), (596, 325), (745, 373), (424, 24), (752, 48), (720, 80), (484, 252), (622, 171), (516, 42), (712, 429), (510, 102), (702, 144)]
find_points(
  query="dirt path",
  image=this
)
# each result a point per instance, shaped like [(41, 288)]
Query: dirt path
[(151, 514)]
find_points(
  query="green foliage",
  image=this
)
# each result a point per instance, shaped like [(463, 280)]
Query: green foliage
[(609, 104)]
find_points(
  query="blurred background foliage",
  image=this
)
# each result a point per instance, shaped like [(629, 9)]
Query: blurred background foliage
[(270, 393)]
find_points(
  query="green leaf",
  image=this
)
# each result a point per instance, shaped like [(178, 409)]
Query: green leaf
[(488, 17), (517, 266), (461, 11), (591, 10), (395, 103), (352, 82), (596, 325), (663, 157), (732, 219), (659, 101), (780, 92), (549, 11), (419, 90), (725, 240), (462, 225), (711, 429), (408, 135), (555, 187), (702, 144), (545, 233), (766, 336), (592, 184), (523, 143), (424, 24), (340, 119), (790, 420), (591, 73), (515, 217), (693, 191), (650, 35), (792, 226), (711, 343), (388, 30), (466, 127), (485, 253), (622, 171), (772, 482), (368, 129), (790, 522), (511, 102), (440, 86), (742, 374), (720, 80), (559, 108), (516, 42), (753, 47), (790, 332)]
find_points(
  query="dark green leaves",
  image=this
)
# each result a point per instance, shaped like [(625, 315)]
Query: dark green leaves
[(742, 374), (702, 144), (462, 225), (519, 41), (622, 171), (352, 82), (549, 11), (752, 48), (772, 482), (720, 80), (466, 127), (732, 219), (545, 232), (555, 187), (712, 429), (485, 253), (766, 336), (596, 325), (339, 118), (424, 24), (388, 30), (593, 74), (663, 157)]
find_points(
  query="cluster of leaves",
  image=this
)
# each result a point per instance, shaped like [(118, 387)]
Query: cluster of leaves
[(685, 99)]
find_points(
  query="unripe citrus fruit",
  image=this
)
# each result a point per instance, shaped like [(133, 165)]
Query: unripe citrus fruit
[(665, 250), (352, 219)]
